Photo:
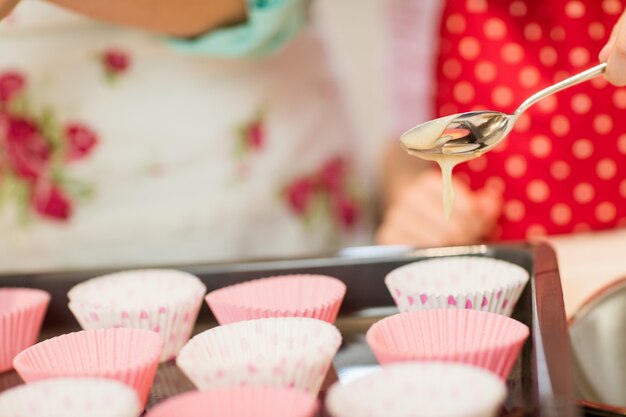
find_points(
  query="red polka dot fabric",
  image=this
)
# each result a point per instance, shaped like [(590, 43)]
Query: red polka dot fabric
[(563, 168)]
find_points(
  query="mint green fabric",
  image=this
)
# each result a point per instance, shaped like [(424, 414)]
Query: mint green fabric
[(270, 25)]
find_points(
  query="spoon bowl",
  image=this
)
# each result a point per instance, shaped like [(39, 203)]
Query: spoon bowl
[(471, 134), (463, 133)]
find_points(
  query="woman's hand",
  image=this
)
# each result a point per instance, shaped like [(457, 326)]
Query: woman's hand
[(415, 216), (6, 6), (614, 54), (183, 18)]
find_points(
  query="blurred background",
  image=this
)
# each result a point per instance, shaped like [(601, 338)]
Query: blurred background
[(359, 45)]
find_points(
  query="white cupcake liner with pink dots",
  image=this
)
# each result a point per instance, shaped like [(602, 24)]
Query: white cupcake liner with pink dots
[(419, 389), (70, 397), (462, 282), (162, 300), (282, 351), (22, 311)]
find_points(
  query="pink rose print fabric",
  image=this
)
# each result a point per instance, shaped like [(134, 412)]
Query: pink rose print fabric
[(80, 141), (34, 151), (251, 140), (11, 83), (115, 63), (251, 136), (326, 192)]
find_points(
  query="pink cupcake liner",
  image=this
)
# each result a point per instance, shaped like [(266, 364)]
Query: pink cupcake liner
[(419, 389), (70, 397), (258, 401), (461, 282), (22, 311), (282, 351), (127, 355), (487, 340), (162, 300), (313, 296)]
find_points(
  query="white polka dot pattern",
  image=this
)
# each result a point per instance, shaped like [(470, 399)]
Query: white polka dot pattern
[(548, 56), (575, 9), (583, 193), (581, 103), (469, 48), (613, 7), (554, 175), (560, 170), (619, 99), (538, 191), (582, 149), (532, 32), (495, 29), (540, 146), (514, 210), (516, 166), (561, 214)]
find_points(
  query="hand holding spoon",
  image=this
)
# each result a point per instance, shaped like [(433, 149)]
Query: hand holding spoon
[(460, 137), (474, 133)]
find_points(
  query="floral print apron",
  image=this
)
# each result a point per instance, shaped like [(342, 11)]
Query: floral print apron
[(118, 150)]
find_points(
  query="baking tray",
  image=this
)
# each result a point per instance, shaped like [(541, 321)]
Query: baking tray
[(540, 384)]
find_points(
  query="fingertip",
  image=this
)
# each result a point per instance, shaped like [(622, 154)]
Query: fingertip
[(603, 56), (616, 59)]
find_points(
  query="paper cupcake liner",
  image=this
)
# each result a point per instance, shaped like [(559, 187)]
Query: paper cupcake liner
[(71, 397), (258, 401), (461, 282), (286, 351), (22, 311), (487, 340), (313, 296), (161, 300), (424, 389), (127, 355)]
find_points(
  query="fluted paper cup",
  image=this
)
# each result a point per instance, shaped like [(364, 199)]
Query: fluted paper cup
[(314, 296), (490, 341), (22, 311), (162, 300), (283, 351), (419, 389), (462, 282), (70, 397), (127, 355), (257, 401)]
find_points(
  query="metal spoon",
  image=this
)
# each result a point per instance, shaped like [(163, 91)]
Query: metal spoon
[(477, 132)]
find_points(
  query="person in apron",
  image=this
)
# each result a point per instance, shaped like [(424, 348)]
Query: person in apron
[(122, 148), (561, 174), (563, 168)]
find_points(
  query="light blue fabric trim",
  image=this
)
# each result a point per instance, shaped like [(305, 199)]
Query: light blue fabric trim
[(270, 25)]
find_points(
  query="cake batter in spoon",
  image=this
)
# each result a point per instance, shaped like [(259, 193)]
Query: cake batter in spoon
[(457, 138)]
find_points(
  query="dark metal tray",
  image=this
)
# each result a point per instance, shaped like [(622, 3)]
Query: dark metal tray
[(541, 383)]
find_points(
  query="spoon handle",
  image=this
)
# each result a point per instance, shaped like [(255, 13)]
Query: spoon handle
[(569, 82)]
